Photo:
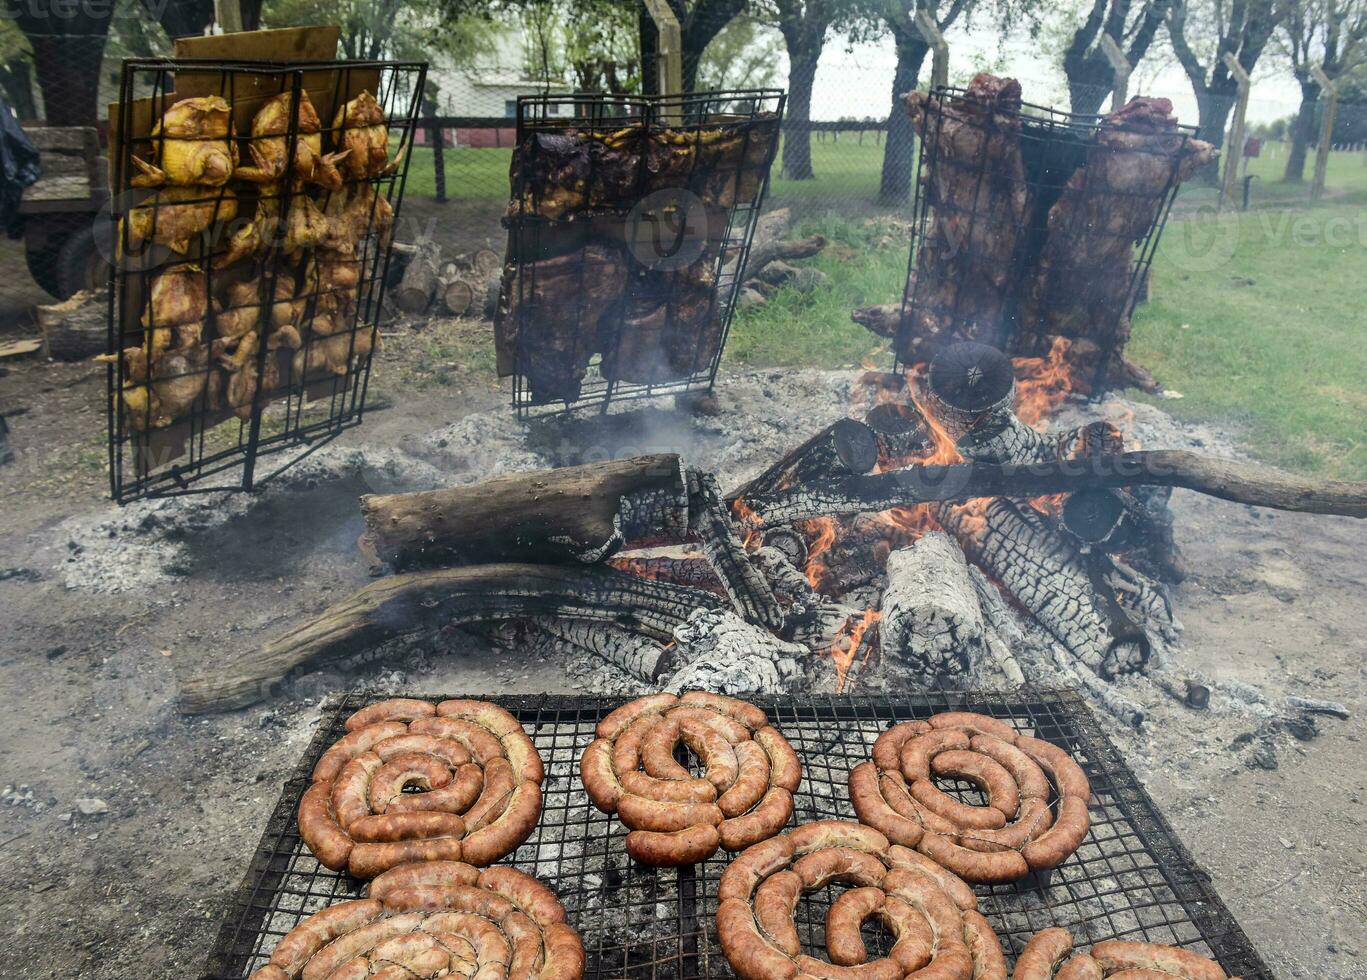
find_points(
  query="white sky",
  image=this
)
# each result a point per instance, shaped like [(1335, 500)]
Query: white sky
[(858, 82)]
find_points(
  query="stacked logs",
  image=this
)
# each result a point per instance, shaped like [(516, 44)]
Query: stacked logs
[(436, 919), (744, 796), (932, 915), (1014, 834), (479, 773)]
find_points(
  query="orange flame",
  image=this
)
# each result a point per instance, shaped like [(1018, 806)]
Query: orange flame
[(824, 530), (1043, 382), (848, 639)]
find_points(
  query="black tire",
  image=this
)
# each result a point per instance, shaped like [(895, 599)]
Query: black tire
[(42, 265), (80, 264)]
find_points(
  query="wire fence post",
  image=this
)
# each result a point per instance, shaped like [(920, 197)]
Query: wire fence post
[(1329, 92), (1234, 149)]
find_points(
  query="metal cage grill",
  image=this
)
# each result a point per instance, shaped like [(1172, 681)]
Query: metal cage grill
[(629, 224), (1053, 149), (1130, 879), (186, 273)]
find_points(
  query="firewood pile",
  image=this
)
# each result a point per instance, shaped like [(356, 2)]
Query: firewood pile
[(928, 540), (1035, 228)]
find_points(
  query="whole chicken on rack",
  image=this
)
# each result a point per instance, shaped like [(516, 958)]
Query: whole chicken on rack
[(269, 145), (362, 131), (175, 215), (193, 145)]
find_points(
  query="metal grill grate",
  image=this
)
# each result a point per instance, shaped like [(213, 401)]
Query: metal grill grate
[(1131, 879)]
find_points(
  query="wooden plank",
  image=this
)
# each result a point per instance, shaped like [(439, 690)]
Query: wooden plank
[(77, 139), (59, 189), (18, 348), (64, 164), (283, 44)]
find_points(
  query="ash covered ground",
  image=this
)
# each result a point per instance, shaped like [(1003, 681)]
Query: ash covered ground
[(127, 826)]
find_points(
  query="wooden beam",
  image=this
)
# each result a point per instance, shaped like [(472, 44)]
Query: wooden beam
[(1242, 483), (1120, 64), (930, 31), (1234, 146), (1329, 93)]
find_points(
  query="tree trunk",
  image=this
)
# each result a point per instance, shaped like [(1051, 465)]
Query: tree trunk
[(899, 150), (64, 58), (1213, 107), (1302, 133), (797, 137)]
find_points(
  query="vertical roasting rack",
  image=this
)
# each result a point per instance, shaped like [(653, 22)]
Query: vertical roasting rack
[(1054, 147), (564, 349), (208, 445), (1131, 878)]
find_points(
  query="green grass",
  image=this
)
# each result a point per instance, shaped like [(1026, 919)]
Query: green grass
[(866, 263), (1256, 318), (1265, 331)]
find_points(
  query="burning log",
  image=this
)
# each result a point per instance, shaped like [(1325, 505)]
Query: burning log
[(1001, 632), (850, 554), (720, 652), (693, 570), (844, 447), (710, 517), (932, 621), (788, 584), (400, 604), (574, 514), (1015, 546), (901, 432), (1241, 483), (642, 658)]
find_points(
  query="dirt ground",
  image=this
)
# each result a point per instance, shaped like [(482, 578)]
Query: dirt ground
[(87, 699)]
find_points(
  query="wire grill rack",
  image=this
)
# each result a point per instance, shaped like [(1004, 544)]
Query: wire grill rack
[(636, 192), (957, 245), (1131, 878), (310, 389)]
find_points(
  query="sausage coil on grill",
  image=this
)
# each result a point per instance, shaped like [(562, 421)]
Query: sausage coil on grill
[(1050, 955), (745, 793), (932, 916), (1017, 832), (416, 781), (443, 918)]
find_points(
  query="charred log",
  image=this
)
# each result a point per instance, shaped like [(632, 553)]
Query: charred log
[(574, 514), (1015, 545), (901, 432), (1238, 482), (694, 571), (844, 447), (412, 601), (642, 658), (932, 621), (710, 519), (720, 652)]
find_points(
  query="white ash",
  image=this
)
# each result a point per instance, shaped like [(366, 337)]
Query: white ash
[(721, 652), (138, 546)]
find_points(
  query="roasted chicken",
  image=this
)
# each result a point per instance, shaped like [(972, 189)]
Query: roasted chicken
[(178, 297), (270, 149), (154, 397), (193, 146), (351, 215), (305, 228), (175, 215), (362, 135)]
